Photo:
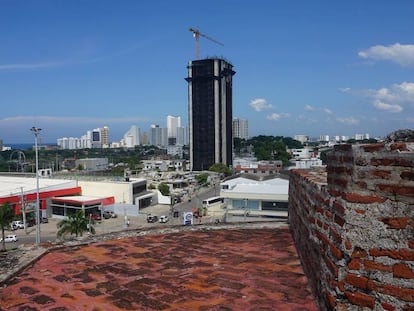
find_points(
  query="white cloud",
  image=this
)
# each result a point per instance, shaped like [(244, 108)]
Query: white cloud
[(348, 121), (406, 88), (309, 108), (387, 107), (277, 116), (402, 54), (345, 89), (260, 104), (78, 58), (32, 66), (392, 99)]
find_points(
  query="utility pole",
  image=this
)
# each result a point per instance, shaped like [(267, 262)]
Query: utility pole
[(36, 132)]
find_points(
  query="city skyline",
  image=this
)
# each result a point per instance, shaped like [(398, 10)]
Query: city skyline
[(319, 68)]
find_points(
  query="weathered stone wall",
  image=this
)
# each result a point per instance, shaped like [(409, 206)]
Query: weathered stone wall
[(353, 226)]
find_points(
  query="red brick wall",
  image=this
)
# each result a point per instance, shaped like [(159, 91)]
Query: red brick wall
[(353, 226)]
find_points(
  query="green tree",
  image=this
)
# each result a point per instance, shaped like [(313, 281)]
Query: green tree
[(6, 217), (76, 224), (292, 143), (164, 189), (202, 178), (220, 168), (272, 148), (239, 145)]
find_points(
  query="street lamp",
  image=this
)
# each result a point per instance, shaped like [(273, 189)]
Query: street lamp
[(36, 132)]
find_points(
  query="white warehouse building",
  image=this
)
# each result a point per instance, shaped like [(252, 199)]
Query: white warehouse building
[(256, 197)]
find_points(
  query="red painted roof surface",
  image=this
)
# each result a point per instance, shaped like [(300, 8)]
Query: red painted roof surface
[(225, 269)]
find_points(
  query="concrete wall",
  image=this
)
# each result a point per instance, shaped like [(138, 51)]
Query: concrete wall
[(121, 191), (353, 226)]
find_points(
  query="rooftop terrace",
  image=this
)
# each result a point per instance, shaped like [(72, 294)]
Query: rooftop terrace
[(228, 268)]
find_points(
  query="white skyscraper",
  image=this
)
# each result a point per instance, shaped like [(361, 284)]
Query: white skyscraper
[(173, 123), (158, 136), (132, 137), (182, 136), (240, 128)]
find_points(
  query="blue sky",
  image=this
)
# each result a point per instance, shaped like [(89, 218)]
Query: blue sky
[(302, 67)]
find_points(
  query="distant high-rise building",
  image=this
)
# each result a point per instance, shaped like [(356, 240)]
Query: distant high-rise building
[(182, 136), (158, 136), (173, 123), (144, 138), (104, 136), (361, 136), (324, 138), (210, 110), (301, 138), (240, 128), (132, 137), (96, 138)]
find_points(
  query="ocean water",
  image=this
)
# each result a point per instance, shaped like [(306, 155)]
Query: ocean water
[(20, 146), (24, 146)]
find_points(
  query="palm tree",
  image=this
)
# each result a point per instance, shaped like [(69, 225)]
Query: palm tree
[(76, 224), (6, 217)]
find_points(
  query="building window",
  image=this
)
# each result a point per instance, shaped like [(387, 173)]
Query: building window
[(274, 206), (58, 210)]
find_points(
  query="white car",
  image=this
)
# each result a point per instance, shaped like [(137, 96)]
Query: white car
[(17, 224), (164, 218), (9, 238)]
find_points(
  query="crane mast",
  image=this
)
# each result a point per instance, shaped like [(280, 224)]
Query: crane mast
[(196, 35)]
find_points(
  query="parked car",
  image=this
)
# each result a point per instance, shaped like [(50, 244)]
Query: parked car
[(18, 224), (9, 238), (109, 214), (95, 217), (164, 219), (152, 218), (45, 220), (30, 222)]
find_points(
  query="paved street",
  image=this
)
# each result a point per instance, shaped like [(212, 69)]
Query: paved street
[(48, 230)]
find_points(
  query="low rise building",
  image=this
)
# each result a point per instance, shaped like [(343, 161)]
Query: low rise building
[(254, 167), (93, 164), (21, 194), (268, 197)]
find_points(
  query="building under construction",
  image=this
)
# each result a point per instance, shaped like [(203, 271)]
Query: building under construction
[(210, 101)]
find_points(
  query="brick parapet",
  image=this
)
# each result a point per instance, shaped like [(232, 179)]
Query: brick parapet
[(372, 173), (353, 226)]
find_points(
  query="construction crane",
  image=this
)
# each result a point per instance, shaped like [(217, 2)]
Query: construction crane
[(196, 35)]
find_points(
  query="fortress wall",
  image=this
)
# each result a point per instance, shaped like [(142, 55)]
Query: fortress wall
[(353, 225)]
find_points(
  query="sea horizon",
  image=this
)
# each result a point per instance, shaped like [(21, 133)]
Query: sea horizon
[(25, 146)]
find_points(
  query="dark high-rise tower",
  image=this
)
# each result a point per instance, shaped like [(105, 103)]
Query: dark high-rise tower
[(210, 112)]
